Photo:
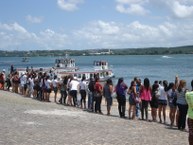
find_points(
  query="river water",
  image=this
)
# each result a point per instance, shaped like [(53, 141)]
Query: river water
[(154, 67)]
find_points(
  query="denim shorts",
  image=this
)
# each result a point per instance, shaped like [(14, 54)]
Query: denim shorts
[(162, 102)]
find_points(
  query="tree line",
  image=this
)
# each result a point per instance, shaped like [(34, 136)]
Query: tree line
[(118, 51)]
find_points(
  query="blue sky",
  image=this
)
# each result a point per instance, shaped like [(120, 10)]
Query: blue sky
[(92, 24)]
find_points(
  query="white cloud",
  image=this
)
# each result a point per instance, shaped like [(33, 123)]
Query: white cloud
[(32, 19), (135, 7), (134, 34), (98, 34), (13, 27), (14, 36), (182, 10), (49, 39), (178, 8), (69, 5)]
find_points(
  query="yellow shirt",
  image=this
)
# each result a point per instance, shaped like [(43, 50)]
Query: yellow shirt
[(189, 100)]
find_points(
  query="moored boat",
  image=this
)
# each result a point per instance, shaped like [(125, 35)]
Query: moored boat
[(66, 66), (101, 69)]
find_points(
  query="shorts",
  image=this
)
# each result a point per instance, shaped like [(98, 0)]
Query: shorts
[(55, 89), (154, 104), (109, 101), (172, 105), (131, 101), (162, 102), (48, 90)]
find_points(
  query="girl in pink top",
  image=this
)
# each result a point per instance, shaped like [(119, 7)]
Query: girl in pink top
[(145, 95)]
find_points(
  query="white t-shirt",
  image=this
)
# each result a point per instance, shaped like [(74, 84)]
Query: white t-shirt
[(83, 85), (48, 83), (23, 80), (74, 85), (55, 83), (163, 93), (31, 83)]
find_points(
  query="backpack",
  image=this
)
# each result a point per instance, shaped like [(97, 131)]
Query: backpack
[(91, 86)]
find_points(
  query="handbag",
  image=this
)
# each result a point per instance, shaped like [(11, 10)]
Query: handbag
[(97, 94)]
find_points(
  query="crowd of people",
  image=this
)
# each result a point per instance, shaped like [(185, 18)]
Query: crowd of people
[(88, 95)]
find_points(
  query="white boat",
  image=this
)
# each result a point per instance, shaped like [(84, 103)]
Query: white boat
[(101, 69), (63, 64), (66, 66)]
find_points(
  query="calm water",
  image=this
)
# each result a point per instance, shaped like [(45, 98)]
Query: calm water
[(154, 67)]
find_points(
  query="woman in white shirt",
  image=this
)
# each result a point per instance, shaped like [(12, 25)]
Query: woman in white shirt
[(162, 100), (82, 89)]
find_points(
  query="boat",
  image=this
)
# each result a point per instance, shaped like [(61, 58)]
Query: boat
[(62, 64), (25, 59), (66, 66), (100, 69)]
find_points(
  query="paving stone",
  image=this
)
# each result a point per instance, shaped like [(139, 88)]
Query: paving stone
[(25, 121)]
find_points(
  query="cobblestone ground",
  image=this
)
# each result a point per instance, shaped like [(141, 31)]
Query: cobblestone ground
[(25, 121)]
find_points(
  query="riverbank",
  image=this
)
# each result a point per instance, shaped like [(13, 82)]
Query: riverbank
[(28, 121)]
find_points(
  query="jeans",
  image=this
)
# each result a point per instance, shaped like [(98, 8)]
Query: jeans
[(90, 101), (98, 104), (190, 126), (73, 93), (182, 116), (144, 107), (138, 109), (63, 97), (121, 105)]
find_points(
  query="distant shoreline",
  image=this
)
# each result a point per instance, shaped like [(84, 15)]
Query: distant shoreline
[(101, 52)]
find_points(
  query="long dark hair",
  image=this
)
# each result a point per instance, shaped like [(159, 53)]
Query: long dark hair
[(120, 80), (170, 86), (146, 84), (165, 84), (131, 85), (109, 82)]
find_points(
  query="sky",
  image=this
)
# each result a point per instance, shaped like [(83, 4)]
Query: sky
[(94, 24)]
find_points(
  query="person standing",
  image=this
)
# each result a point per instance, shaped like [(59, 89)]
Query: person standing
[(91, 94), (182, 105), (145, 95), (138, 103), (74, 89), (189, 100), (48, 84), (2, 81), (154, 101), (23, 81), (107, 92), (55, 87), (83, 92), (63, 90), (132, 100), (98, 89), (172, 98), (162, 100), (31, 86), (121, 88)]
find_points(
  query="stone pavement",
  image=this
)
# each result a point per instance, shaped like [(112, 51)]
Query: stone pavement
[(25, 121)]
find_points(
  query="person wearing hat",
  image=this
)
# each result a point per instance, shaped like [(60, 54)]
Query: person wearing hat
[(189, 100)]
